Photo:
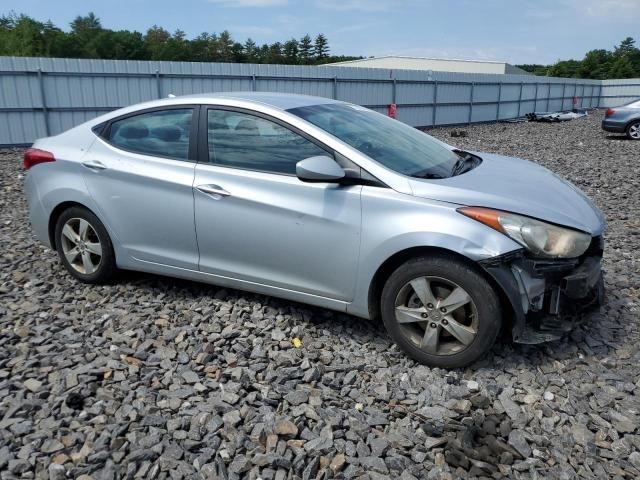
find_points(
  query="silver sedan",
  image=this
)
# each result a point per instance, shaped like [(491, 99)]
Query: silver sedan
[(326, 203)]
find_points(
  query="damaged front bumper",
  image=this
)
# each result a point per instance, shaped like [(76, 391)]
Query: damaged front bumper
[(548, 296)]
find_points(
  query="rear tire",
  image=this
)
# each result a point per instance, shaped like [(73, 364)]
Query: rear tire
[(633, 130), (440, 311), (84, 246)]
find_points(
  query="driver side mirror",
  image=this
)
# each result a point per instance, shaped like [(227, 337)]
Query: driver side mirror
[(319, 169)]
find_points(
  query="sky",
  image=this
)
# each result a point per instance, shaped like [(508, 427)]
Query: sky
[(516, 31)]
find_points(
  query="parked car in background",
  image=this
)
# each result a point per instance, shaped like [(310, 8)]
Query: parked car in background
[(624, 119), (327, 203)]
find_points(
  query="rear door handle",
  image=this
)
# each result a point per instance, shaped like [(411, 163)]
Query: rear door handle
[(94, 165), (214, 190)]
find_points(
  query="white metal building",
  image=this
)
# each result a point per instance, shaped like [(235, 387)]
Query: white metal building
[(436, 64)]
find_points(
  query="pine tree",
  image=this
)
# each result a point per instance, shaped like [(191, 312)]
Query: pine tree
[(290, 51), (305, 50), (251, 51), (321, 48), (225, 47)]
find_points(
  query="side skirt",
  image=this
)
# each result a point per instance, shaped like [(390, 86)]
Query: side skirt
[(228, 282)]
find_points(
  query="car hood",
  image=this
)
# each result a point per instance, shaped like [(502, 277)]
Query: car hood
[(516, 186)]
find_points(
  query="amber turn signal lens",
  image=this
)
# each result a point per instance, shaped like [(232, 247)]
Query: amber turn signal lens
[(488, 216)]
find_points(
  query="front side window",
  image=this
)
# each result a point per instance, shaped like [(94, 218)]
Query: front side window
[(163, 133), (250, 142), (394, 144)]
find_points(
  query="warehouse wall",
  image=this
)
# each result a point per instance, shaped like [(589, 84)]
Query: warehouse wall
[(619, 92), (45, 96), (418, 63)]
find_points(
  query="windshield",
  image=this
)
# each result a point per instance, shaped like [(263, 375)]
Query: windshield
[(392, 143)]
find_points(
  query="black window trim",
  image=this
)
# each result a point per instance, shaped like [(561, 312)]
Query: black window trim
[(203, 134), (103, 130)]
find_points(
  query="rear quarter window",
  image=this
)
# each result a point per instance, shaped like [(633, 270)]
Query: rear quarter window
[(163, 133)]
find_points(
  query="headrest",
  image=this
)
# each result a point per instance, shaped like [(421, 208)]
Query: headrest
[(215, 124), (168, 133), (247, 126), (133, 130)]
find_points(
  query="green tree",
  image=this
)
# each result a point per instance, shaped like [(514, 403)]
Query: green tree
[(290, 51), (274, 54), (305, 50), (225, 47), (88, 38), (123, 45), (251, 51), (622, 68), (596, 64), (87, 25), (321, 48)]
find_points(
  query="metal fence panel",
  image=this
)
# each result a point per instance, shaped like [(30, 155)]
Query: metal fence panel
[(44, 96), (619, 92)]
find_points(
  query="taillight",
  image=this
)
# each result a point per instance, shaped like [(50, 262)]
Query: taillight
[(34, 156), (609, 112)]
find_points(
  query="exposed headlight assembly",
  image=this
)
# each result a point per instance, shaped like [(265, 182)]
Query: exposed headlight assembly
[(540, 238)]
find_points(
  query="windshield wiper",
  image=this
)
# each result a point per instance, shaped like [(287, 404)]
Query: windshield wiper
[(428, 175), (465, 160)]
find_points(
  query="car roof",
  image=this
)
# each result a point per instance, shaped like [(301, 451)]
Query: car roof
[(283, 101)]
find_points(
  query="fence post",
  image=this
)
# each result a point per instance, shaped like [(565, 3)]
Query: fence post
[(535, 102), (435, 103), (335, 87), (499, 98), (520, 98), (395, 87), (473, 84), (43, 99), (253, 82), (548, 96), (564, 89), (158, 86)]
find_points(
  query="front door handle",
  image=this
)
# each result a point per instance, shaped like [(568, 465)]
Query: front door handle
[(94, 165), (214, 190)]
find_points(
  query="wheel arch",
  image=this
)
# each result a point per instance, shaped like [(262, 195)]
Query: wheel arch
[(55, 215), (631, 122), (394, 261)]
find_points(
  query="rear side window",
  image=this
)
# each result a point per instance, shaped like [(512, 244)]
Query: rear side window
[(250, 142), (163, 133)]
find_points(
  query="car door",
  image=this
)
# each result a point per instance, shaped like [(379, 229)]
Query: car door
[(257, 222), (140, 173)]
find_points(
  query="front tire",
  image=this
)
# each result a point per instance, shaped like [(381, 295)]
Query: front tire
[(440, 311), (84, 246), (633, 130)]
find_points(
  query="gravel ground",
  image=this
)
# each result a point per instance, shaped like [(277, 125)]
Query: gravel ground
[(159, 378)]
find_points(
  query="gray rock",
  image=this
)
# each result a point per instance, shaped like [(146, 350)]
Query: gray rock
[(374, 463), (32, 384), (634, 459), (581, 434), (232, 418), (517, 441), (56, 472), (512, 408), (51, 446), (297, 397), (190, 376), (240, 464)]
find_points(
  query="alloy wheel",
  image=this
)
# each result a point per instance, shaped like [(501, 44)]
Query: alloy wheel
[(436, 315), (81, 246), (634, 131)]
